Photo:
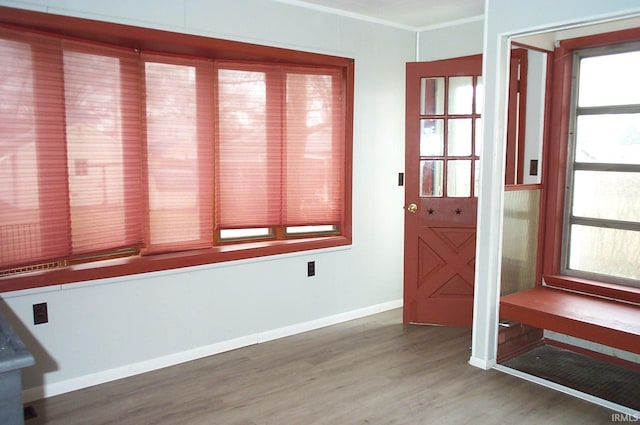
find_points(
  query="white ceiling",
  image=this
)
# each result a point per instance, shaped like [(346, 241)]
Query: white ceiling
[(413, 14)]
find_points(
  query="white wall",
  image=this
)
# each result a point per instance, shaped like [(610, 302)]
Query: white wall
[(450, 41), (534, 121), (115, 327), (505, 18)]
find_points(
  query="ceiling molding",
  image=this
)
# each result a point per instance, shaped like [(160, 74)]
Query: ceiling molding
[(348, 14), (451, 23)]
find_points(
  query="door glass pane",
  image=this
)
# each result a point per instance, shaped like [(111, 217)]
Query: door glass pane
[(432, 96), (432, 137), (459, 140), (431, 178), (610, 80), (479, 95), (607, 195), (598, 250), (460, 95), (609, 138), (459, 178)]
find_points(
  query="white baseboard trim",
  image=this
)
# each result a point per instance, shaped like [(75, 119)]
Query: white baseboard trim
[(631, 413), (73, 384)]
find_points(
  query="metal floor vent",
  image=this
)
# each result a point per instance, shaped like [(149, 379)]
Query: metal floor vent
[(605, 380)]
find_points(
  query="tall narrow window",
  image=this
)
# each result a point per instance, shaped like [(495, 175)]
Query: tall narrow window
[(314, 148), (248, 166), (103, 154), (179, 145), (602, 230)]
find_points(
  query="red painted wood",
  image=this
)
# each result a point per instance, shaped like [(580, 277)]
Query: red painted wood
[(607, 322), (516, 118), (516, 187), (522, 56), (440, 237), (556, 162), (602, 289)]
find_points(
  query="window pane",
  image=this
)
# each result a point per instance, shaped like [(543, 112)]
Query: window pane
[(179, 155), (605, 251), (432, 96), (432, 137), (311, 229), (248, 167), (613, 138), (459, 140), (314, 160), (102, 150), (610, 80), (245, 233), (607, 195), (460, 95), (459, 178), (431, 178)]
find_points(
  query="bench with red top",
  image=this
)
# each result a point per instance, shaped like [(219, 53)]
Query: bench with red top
[(604, 321)]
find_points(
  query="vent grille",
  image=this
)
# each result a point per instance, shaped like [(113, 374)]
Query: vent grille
[(32, 268)]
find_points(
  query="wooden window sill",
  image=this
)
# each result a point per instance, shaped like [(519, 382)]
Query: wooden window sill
[(596, 288), (153, 263)]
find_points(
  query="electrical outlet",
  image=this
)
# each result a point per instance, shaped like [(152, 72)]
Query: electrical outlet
[(40, 314), (311, 268)]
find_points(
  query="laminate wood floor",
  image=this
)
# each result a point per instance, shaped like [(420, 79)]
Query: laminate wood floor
[(374, 370)]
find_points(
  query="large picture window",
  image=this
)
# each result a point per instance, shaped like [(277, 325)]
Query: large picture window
[(108, 151), (602, 212)]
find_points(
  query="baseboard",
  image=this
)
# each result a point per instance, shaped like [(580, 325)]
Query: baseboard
[(57, 388)]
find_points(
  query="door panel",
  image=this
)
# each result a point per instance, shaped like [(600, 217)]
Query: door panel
[(442, 142)]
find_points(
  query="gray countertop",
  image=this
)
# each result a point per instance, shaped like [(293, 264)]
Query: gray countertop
[(13, 353)]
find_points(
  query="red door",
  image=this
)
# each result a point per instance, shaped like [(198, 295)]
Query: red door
[(443, 130)]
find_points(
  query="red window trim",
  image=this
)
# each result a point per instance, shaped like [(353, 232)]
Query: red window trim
[(554, 174), (191, 45), (592, 287)]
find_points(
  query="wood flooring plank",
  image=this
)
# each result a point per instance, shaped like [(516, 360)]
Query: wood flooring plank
[(374, 370)]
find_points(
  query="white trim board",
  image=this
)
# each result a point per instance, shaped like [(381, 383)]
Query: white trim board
[(85, 381)]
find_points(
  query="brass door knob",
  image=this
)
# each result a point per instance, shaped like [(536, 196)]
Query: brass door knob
[(412, 208)]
